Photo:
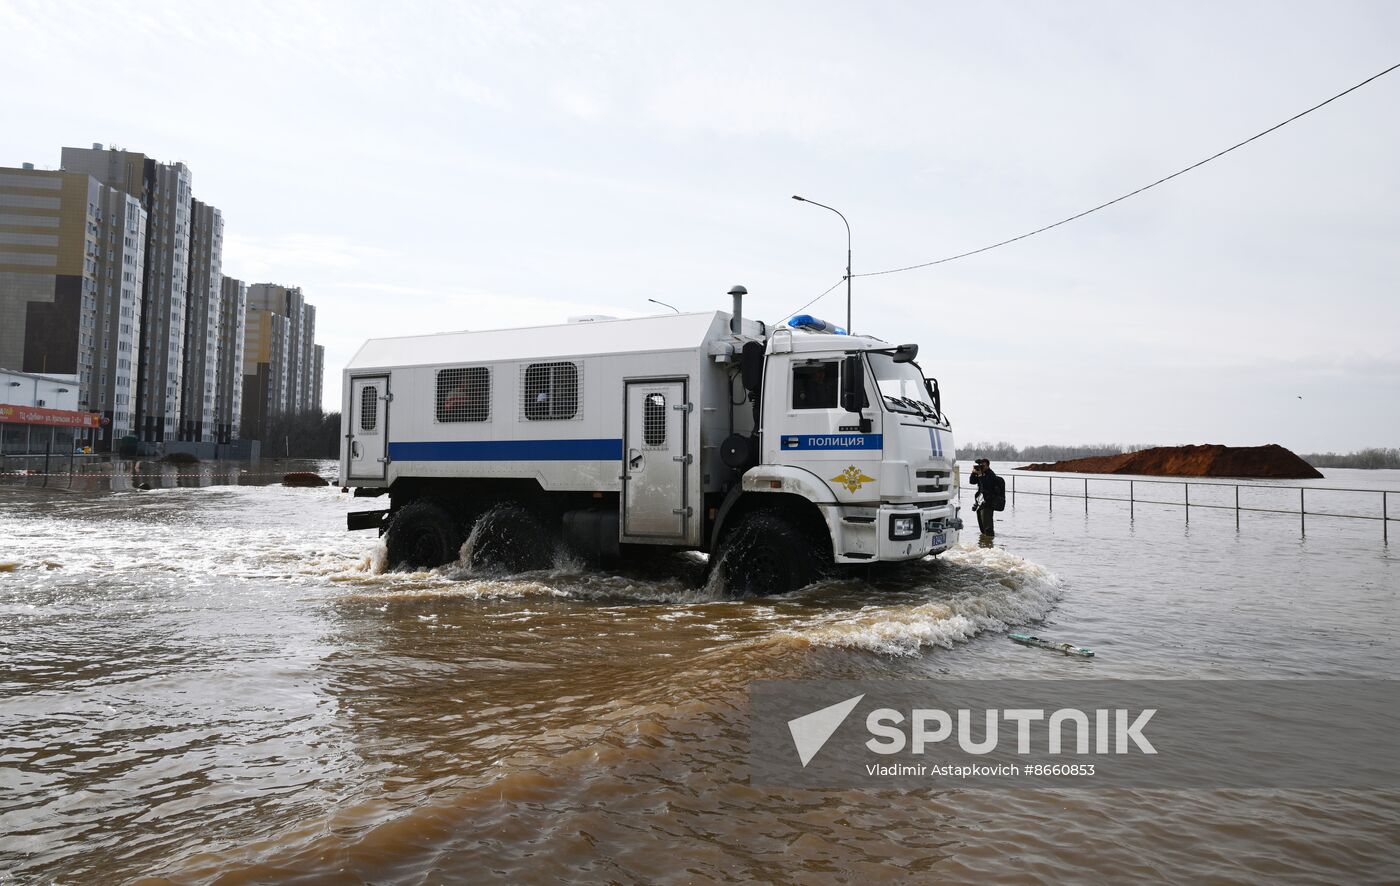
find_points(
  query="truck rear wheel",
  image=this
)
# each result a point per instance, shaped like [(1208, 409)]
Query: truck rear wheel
[(424, 534), (767, 554), (510, 537)]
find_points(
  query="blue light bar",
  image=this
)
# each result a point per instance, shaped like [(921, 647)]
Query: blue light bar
[(815, 324)]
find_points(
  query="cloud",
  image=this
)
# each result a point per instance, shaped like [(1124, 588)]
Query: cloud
[(292, 257), (474, 92), (578, 101)]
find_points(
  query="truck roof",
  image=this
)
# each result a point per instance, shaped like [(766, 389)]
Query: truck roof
[(664, 332)]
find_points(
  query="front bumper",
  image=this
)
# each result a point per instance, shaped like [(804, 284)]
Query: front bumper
[(893, 532)]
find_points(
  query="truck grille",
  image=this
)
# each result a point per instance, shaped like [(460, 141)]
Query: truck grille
[(940, 480)]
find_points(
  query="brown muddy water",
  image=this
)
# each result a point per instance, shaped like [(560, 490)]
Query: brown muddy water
[(216, 683)]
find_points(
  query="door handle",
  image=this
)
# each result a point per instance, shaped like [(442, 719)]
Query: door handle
[(634, 459), (354, 448)]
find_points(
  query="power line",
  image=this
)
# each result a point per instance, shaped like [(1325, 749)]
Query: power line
[(1109, 203), (813, 301)]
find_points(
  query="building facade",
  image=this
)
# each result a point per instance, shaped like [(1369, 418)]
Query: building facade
[(283, 366), (111, 279), (228, 393), (203, 318), (264, 368), (318, 375), (164, 190), (71, 286)]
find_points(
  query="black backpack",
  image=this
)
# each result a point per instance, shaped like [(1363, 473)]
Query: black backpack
[(996, 495)]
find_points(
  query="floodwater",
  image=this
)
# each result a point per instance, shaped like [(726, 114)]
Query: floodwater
[(217, 683)]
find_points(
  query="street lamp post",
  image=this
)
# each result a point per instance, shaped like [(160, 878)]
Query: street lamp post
[(848, 252)]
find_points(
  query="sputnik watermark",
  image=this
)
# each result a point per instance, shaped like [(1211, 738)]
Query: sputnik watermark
[(930, 726), (1076, 733), (886, 725)]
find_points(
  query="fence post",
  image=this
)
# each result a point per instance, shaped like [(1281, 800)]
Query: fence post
[(1303, 510), (1188, 502), (1051, 497), (1385, 517), (1013, 490), (1132, 505), (1237, 506), (1086, 495)]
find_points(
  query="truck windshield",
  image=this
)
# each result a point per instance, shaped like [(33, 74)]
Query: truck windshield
[(901, 385)]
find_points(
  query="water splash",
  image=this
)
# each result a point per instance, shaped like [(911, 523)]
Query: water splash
[(976, 590)]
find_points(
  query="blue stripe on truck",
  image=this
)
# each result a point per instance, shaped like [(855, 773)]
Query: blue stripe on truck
[(508, 450)]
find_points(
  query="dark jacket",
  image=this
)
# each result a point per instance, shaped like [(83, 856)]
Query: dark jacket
[(988, 486)]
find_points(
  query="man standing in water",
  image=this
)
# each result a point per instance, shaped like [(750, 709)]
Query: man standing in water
[(991, 495)]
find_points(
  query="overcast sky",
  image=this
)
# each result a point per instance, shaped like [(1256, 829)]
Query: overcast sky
[(422, 167)]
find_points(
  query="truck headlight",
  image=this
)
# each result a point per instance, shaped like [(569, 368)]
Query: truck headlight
[(904, 527)]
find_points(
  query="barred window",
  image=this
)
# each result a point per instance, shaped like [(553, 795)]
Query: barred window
[(369, 407), (549, 391), (464, 394), (654, 420)]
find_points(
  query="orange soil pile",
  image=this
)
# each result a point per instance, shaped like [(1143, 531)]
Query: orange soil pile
[(1271, 462)]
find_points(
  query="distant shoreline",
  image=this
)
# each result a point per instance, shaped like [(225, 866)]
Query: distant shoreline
[(1362, 459)]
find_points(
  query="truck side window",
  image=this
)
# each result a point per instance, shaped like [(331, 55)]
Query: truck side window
[(814, 386), (654, 420), (369, 407), (549, 391), (464, 394)]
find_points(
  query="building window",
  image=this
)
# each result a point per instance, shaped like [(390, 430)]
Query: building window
[(814, 386), (369, 408), (549, 391), (654, 420), (464, 394)]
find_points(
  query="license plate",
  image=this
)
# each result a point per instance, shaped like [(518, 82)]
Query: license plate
[(938, 539)]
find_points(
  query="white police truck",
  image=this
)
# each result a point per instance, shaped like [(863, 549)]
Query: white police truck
[(781, 452)]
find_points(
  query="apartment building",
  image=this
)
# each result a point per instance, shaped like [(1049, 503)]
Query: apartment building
[(164, 191), (228, 393), (203, 317), (72, 286), (265, 354)]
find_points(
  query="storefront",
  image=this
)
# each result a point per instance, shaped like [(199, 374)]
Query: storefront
[(34, 430)]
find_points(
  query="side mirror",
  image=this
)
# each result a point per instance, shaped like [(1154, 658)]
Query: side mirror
[(905, 353), (853, 384), (932, 385), (751, 365)]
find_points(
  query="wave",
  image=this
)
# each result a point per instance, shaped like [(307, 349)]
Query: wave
[(971, 591)]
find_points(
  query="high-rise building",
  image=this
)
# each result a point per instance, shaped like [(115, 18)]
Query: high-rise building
[(318, 375), (299, 379), (111, 275), (164, 192), (264, 368), (228, 395), (203, 316), (71, 286)]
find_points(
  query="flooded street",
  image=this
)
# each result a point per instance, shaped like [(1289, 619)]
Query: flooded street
[(221, 684)]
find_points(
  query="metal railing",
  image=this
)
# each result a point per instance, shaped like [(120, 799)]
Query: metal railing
[(1080, 491)]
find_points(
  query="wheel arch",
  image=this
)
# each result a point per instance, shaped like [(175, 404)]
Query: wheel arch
[(796, 492), (800, 511)]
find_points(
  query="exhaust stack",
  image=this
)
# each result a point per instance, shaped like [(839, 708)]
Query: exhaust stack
[(736, 323)]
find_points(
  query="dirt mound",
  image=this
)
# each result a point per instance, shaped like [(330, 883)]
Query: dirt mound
[(1271, 462), (304, 479)]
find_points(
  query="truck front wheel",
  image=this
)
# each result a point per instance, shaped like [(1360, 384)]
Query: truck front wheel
[(767, 554), (423, 534)]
